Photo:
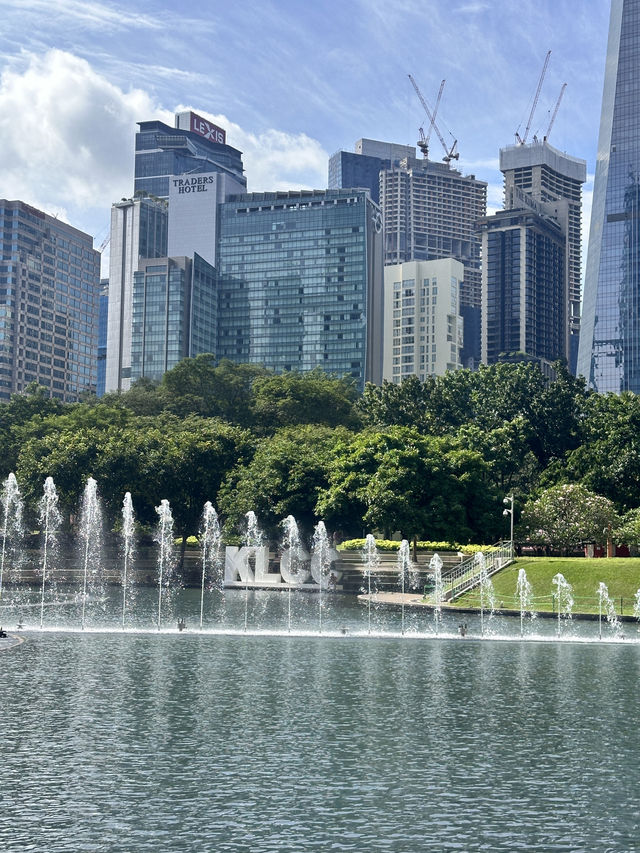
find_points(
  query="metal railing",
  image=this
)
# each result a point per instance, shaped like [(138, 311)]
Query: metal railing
[(467, 575)]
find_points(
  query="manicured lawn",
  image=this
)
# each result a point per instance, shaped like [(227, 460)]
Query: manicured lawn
[(621, 575)]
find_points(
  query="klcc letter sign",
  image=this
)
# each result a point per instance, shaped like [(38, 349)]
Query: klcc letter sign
[(207, 129), (250, 565)]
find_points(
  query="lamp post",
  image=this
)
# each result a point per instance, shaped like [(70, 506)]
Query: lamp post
[(509, 511)]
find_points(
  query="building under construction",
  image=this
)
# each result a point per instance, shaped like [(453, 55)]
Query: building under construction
[(429, 212)]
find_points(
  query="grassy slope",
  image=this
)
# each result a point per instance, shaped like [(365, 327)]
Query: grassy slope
[(621, 575)]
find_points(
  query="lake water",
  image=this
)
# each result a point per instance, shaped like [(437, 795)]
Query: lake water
[(118, 741)]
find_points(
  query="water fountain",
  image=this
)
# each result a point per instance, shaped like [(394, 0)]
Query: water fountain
[(371, 560), (128, 552), (210, 540), (12, 530), (606, 607), (524, 593), (407, 574), (487, 593), (564, 599), (292, 561), (50, 521), (322, 560), (90, 533), (435, 564), (254, 538), (166, 556)]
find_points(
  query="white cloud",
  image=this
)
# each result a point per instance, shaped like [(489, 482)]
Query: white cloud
[(273, 159), (66, 134), (67, 137)]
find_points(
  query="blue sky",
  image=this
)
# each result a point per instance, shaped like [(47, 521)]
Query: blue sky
[(291, 81)]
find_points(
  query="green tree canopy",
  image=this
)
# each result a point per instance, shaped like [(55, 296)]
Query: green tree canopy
[(568, 515)]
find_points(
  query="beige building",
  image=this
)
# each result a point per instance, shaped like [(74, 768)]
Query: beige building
[(423, 327)]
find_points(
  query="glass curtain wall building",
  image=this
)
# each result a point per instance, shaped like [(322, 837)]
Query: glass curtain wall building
[(49, 293), (191, 147), (609, 353), (300, 282), (524, 305), (174, 314)]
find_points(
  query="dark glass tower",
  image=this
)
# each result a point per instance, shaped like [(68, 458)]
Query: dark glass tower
[(609, 354)]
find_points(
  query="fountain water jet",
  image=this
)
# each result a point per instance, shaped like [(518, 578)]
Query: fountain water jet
[(606, 605), (487, 592), (12, 530), (292, 559), (564, 598), (210, 538), (371, 560), (407, 573), (128, 550), (524, 593), (435, 564), (50, 520), (91, 539), (254, 538), (166, 555), (321, 562)]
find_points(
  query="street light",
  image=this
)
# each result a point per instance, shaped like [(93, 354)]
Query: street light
[(509, 511)]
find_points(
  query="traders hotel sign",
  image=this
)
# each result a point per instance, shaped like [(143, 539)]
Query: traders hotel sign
[(207, 129)]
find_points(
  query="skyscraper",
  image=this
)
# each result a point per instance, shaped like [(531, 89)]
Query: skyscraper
[(537, 171), (193, 146), (609, 354), (429, 212), (300, 282), (524, 305), (362, 168), (138, 230), (422, 324), (49, 292)]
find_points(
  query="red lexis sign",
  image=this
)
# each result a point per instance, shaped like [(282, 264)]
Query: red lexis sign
[(207, 129)]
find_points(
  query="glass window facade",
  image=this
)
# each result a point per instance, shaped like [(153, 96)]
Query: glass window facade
[(173, 314), (299, 276), (524, 294), (609, 353), (49, 293), (162, 151)]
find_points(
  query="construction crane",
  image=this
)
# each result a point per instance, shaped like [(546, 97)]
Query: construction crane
[(523, 139), (450, 153), (423, 142), (555, 111)]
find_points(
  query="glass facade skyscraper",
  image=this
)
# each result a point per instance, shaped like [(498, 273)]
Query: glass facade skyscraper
[(300, 282), (162, 151), (524, 294), (49, 292), (174, 314), (609, 353)]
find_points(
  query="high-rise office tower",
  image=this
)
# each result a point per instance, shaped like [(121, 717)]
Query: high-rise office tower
[(429, 212), (138, 230), (537, 171), (193, 146), (103, 317), (362, 168), (181, 175), (300, 280), (524, 305), (609, 354), (422, 323), (49, 291), (174, 313)]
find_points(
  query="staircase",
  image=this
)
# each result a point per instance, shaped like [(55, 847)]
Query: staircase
[(467, 575)]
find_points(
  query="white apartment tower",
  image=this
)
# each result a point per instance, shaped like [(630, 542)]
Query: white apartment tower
[(423, 328)]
